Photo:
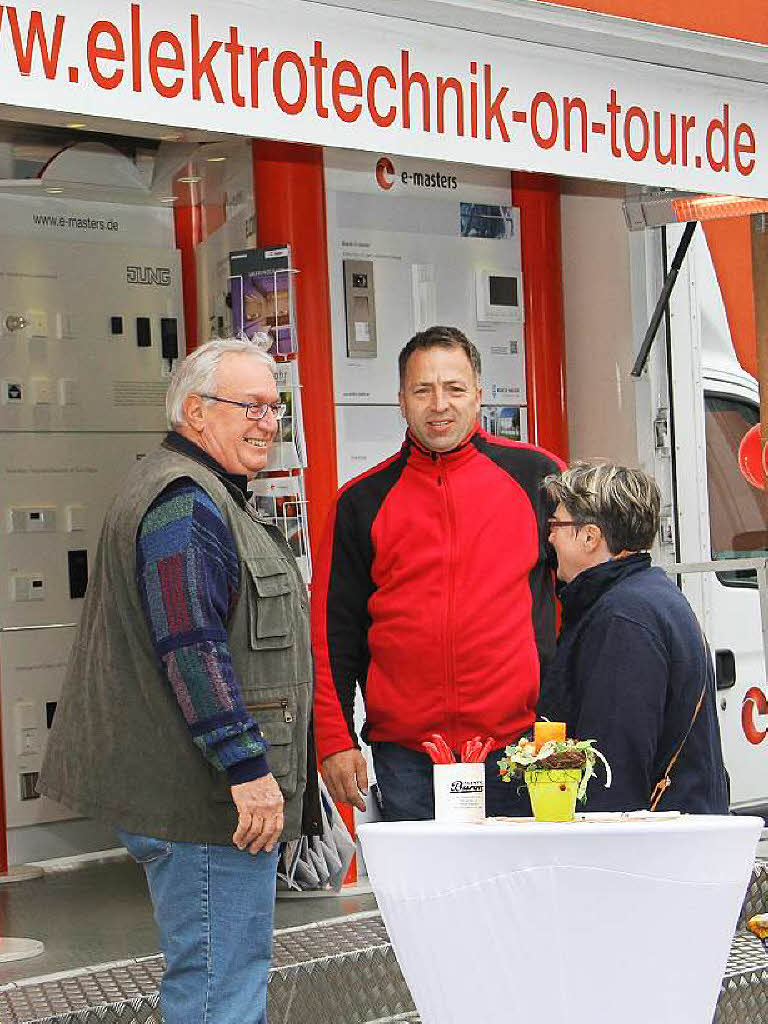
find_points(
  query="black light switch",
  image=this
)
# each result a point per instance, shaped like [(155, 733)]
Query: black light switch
[(78, 572), (169, 339), (143, 332)]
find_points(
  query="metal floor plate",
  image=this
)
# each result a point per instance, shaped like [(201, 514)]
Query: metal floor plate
[(307, 981), (744, 992), (342, 971), (756, 899)]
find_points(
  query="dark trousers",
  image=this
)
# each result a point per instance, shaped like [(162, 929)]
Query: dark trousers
[(404, 780)]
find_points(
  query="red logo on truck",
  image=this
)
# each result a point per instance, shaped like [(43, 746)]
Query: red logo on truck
[(385, 173), (755, 704)]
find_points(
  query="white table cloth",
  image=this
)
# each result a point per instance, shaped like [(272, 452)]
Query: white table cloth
[(584, 923)]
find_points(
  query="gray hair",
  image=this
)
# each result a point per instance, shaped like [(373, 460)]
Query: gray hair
[(197, 373), (623, 502)]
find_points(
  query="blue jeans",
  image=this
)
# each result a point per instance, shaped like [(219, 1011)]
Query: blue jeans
[(404, 779), (214, 908)]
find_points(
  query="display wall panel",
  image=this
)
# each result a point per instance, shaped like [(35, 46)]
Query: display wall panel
[(428, 261), (412, 244), (89, 335), (55, 489), (91, 326)]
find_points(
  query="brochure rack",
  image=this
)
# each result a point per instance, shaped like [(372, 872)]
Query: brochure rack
[(263, 309)]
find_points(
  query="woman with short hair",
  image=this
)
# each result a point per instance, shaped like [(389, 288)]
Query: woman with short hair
[(633, 671)]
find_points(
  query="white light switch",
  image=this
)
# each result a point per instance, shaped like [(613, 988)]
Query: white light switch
[(42, 391), (424, 295), (77, 518), (27, 728), (37, 323), (67, 325), (69, 392)]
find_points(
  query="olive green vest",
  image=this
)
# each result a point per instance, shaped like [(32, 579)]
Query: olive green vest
[(119, 749)]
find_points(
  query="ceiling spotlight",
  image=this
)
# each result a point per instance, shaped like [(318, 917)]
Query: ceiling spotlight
[(190, 179), (168, 199), (76, 124), (52, 190), (215, 159), (170, 138)]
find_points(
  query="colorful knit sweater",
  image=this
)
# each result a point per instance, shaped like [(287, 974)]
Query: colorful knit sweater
[(188, 576)]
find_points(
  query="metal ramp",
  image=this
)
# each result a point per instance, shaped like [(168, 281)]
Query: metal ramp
[(341, 971)]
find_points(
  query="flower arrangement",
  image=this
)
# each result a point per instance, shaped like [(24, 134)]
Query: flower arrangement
[(554, 755)]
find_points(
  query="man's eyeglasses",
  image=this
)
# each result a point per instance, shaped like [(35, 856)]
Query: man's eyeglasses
[(253, 410), (552, 523)]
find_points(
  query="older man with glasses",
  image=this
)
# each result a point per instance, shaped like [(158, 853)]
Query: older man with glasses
[(184, 717), (632, 669)]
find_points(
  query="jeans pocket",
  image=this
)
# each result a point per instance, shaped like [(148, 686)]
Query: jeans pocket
[(144, 849)]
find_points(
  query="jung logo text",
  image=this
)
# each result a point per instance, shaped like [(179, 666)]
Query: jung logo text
[(148, 275)]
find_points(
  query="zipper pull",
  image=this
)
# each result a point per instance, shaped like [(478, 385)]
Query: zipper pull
[(287, 716)]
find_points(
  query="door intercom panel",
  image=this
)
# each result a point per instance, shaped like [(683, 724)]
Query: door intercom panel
[(361, 309)]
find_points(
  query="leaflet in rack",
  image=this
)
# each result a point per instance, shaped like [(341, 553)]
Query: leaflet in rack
[(262, 290)]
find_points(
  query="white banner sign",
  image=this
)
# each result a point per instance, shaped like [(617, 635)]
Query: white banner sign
[(301, 71)]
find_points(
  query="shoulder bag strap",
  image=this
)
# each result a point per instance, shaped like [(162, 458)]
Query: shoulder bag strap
[(665, 781)]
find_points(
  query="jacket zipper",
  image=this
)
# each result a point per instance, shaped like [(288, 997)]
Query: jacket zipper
[(450, 668), (272, 705), (451, 603)]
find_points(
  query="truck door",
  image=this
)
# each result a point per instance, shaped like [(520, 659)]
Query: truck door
[(738, 526), (720, 516)]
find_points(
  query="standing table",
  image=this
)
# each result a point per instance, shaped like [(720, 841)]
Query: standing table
[(590, 922)]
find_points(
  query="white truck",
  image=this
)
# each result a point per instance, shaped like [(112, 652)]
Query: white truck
[(682, 420)]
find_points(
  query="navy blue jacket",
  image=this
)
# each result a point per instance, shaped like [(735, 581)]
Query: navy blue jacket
[(629, 669)]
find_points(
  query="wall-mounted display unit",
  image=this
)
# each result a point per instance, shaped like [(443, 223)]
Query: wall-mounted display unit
[(427, 243)]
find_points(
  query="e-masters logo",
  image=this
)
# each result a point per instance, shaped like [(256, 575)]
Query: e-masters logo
[(754, 715), (148, 275), (386, 175)]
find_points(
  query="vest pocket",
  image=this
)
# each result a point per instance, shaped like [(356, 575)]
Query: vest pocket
[(269, 603), (277, 721)]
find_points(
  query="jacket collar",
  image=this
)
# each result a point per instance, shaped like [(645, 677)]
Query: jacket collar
[(412, 446), (235, 483), (585, 589)]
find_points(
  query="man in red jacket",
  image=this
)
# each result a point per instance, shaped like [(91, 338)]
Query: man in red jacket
[(432, 592)]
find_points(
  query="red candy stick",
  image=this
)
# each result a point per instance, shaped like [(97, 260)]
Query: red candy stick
[(486, 749), (433, 752), (442, 746)]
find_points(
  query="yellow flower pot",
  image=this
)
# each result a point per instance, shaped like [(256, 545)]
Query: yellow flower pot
[(553, 792)]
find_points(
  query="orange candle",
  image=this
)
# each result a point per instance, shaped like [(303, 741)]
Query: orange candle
[(544, 731)]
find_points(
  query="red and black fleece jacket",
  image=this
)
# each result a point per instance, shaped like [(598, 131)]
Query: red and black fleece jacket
[(432, 592)]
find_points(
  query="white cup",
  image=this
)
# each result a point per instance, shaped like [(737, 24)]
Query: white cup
[(459, 792)]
